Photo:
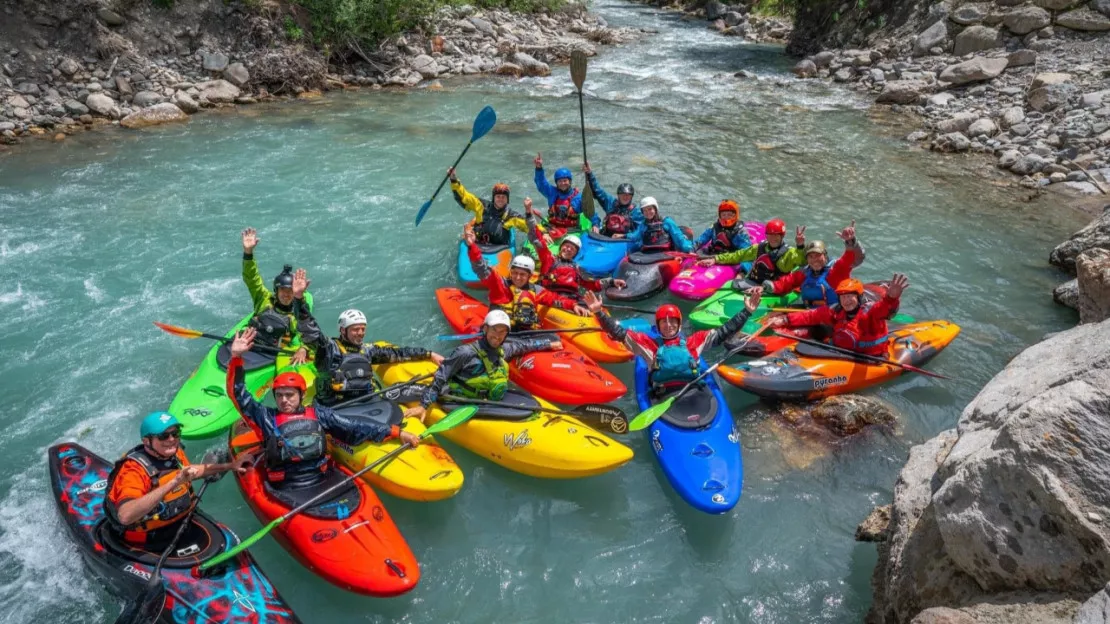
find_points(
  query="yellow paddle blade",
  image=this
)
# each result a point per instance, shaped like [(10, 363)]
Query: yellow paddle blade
[(644, 419)]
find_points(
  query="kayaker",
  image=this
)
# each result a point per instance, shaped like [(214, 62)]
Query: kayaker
[(294, 438), (343, 364), (814, 281), (561, 274), (516, 295), (727, 233), (856, 325), (150, 488), (493, 219), (658, 233), (275, 314), (770, 259), (564, 204), (671, 356), (621, 214), (480, 369)]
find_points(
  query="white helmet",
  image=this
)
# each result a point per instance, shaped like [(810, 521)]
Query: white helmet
[(351, 317), (573, 240), (648, 201), (497, 317), (523, 262)]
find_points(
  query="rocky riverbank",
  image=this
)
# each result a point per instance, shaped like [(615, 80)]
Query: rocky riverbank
[(66, 67), (732, 20)]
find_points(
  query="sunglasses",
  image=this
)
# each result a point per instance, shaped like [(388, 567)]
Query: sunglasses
[(166, 435)]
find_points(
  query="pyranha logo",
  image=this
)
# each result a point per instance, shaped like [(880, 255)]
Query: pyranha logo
[(521, 440), (826, 382)]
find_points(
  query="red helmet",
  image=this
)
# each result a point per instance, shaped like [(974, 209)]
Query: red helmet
[(289, 380), (776, 226), (849, 286), (668, 311)]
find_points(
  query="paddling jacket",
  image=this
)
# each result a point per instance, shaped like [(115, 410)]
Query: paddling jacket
[(819, 288), (563, 276), (466, 365), (344, 370), (290, 440), (491, 225), (719, 239), (520, 304), (135, 475), (662, 234), (768, 263), (864, 330), (619, 219), (276, 324), (563, 209)]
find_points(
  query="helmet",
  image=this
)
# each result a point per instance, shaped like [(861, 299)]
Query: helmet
[(729, 206), (573, 240), (563, 172), (285, 278), (156, 423), (497, 317), (853, 286), (289, 380), (776, 226), (501, 189), (817, 247), (666, 311), (351, 317), (648, 201), (523, 262), (626, 189)]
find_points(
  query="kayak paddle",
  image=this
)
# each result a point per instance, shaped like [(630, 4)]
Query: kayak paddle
[(380, 392), (483, 123), (454, 419), (629, 309), (527, 332), (862, 356), (147, 606), (652, 414), (578, 76), (182, 332), (605, 416)]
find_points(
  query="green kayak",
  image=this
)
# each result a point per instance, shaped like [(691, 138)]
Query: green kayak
[(202, 405), (726, 303), (584, 225)]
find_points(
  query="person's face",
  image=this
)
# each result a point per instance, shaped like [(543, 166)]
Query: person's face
[(355, 333), (285, 296), (849, 301), (727, 217), (624, 198), (650, 212), (520, 277), (496, 335), (567, 251), (563, 184), (815, 260), (287, 399), (500, 201), (775, 240), (165, 444), (669, 327)]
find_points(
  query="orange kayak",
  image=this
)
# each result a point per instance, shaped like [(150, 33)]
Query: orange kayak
[(349, 539), (567, 376), (806, 373), (597, 345)]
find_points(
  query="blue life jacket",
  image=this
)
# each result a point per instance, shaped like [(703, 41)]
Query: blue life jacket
[(816, 288), (672, 362)]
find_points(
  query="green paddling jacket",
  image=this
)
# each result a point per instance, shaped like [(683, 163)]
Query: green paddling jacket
[(276, 325)]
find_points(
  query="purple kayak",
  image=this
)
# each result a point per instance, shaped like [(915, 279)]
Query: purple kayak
[(695, 283)]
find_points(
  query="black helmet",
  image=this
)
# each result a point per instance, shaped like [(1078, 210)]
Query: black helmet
[(626, 188), (285, 278)]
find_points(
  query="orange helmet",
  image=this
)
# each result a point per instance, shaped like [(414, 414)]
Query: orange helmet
[(501, 189), (850, 286), (729, 205), (289, 380)]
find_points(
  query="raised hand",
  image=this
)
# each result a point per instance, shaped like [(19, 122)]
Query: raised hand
[(800, 236), (586, 168), (451, 174), (243, 341), (538, 161), (751, 300), (250, 240), (300, 283), (848, 234), (593, 301), (469, 236), (898, 283), (528, 206)]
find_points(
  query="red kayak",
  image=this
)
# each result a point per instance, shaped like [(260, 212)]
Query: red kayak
[(349, 538), (567, 376)]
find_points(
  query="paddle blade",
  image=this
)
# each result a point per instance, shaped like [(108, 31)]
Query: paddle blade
[(483, 123), (423, 211), (454, 419), (578, 68), (180, 332), (588, 202), (240, 547), (147, 606), (644, 419)]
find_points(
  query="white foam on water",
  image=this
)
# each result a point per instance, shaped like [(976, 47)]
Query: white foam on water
[(94, 293), (207, 292), (7, 251)]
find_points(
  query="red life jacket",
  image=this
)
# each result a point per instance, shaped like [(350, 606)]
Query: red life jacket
[(656, 237), (766, 266), (299, 441), (850, 332), (619, 221), (562, 212), (562, 278)]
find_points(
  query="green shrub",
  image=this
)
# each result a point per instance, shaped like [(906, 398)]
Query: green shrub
[(293, 32)]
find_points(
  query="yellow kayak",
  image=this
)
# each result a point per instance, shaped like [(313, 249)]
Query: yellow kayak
[(598, 345), (536, 444)]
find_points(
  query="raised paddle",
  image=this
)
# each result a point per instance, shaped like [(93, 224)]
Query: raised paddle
[(483, 123), (363, 398), (578, 75), (182, 332), (603, 415), (861, 356), (652, 414), (146, 607), (527, 332), (454, 419)]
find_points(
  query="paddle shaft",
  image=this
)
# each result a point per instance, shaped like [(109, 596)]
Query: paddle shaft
[(459, 399), (380, 392), (256, 347), (448, 176), (731, 352), (527, 332), (629, 308), (862, 356)]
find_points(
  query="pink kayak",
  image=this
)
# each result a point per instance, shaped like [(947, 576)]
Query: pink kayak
[(695, 283)]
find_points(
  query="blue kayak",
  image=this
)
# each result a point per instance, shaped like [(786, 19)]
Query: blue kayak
[(697, 445), (600, 254), (497, 257)]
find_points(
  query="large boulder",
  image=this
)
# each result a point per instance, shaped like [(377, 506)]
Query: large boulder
[(530, 65), (237, 74), (929, 38), (714, 10), (426, 65), (102, 105), (1026, 19), (1050, 97), (952, 142), (214, 61), (1084, 19), (976, 38), (902, 91), (1093, 271), (1056, 5), (1095, 234), (805, 68), (1067, 294), (155, 115), (974, 70), (956, 123), (218, 91), (147, 98)]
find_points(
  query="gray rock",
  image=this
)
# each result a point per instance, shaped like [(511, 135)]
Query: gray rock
[(426, 66), (1084, 19), (957, 123), (931, 37), (940, 100), (75, 108), (714, 9), (974, 70), (28, 88), (982, 127), (1095, 99), (1057, 177), (1021, 58), (1008, 158), (877, 75), (214, 61), (844, 74), (186, 103), (155, 115), (1050, 97), (1012, 116), (969, 14), (1056, 5), (974, 39), (18, 101), (1029, 164), (100, 104), (805, 68), (110, 17), (1095, 234), (1092, 269), (147, 98), (218, 91), (1096, 610), (732, 18), (237, 74), (901, 91), (1021, 129), (531, 66), (917, 136), (1067, 294), (874, 527), (1102, 6), (943, 615), (484, 27), (123, 85), (823, 58), (952, 142), (69, 66), (6, 126), (1049, 78), (1026, 19)]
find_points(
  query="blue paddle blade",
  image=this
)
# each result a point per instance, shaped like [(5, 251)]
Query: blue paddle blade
[(423, 211), (483, 123)]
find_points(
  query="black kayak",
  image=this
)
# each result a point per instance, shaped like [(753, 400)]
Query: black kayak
[(645, 275), (236, 591)]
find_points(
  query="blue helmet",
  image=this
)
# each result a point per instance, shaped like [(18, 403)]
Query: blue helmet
[(563, 172), (156, 423)]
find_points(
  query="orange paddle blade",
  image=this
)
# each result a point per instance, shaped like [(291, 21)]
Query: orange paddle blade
[(178, 331)]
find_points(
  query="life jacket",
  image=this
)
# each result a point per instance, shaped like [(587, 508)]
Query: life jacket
[(672, 362), (275, 328), (491, 229), (722, 238), (562, 212), (766, 265), (298, 440), (490, 384), (354, 375), (523, 310), (655, 237), (850, 334), (174, 506), (562, 278), (618, 221), (816, 290)]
